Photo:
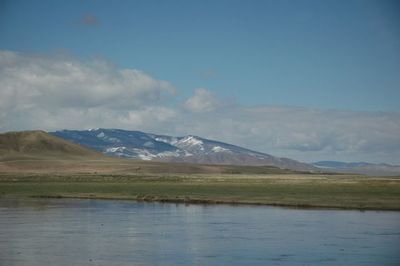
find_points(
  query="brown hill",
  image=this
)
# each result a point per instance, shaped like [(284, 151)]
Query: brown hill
[(39, 144)]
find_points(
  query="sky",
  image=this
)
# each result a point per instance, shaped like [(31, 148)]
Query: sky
[(309, 80)]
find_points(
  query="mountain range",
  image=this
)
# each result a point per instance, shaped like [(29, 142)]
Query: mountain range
[(187, 149), (38, 152), (359, 168)]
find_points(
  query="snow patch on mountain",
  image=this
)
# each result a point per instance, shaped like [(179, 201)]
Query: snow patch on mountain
[(145, 154), (219, 149), (116, 151), (189, 143), (169, 154), (191, 140)]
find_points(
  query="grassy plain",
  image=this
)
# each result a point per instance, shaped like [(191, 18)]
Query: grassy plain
[(36, 164), (294, 190)]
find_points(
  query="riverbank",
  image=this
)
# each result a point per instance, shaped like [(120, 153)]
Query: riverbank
[(291, 190)]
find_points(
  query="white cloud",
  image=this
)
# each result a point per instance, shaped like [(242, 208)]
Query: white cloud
[(67, 82), (202, 101), (56, 92)]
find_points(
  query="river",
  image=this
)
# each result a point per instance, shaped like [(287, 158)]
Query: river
[(107, 232)]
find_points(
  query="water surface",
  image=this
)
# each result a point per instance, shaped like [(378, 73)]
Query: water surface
[(98, 232)]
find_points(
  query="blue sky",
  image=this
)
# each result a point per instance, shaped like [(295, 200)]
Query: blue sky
[(309, 80), (320, 54)]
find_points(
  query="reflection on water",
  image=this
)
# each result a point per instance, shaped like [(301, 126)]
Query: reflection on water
[(98, 232)]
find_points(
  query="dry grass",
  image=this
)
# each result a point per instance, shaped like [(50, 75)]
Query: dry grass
[(108, 165)]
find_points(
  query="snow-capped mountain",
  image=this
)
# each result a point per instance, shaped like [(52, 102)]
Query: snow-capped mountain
[(190, 149)]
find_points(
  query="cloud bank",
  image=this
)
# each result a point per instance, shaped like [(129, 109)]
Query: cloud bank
[(56, 92)]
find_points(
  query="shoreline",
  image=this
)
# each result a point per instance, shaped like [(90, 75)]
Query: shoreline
[(292, 191), (189, 200)]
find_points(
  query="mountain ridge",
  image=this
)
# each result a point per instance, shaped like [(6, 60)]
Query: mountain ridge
[(359, 167), (38, 152), (186, 149)]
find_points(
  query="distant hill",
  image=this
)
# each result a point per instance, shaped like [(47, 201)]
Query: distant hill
[(36, 152), (339, 165), (39, 144), (359, 168), (188, 149)]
